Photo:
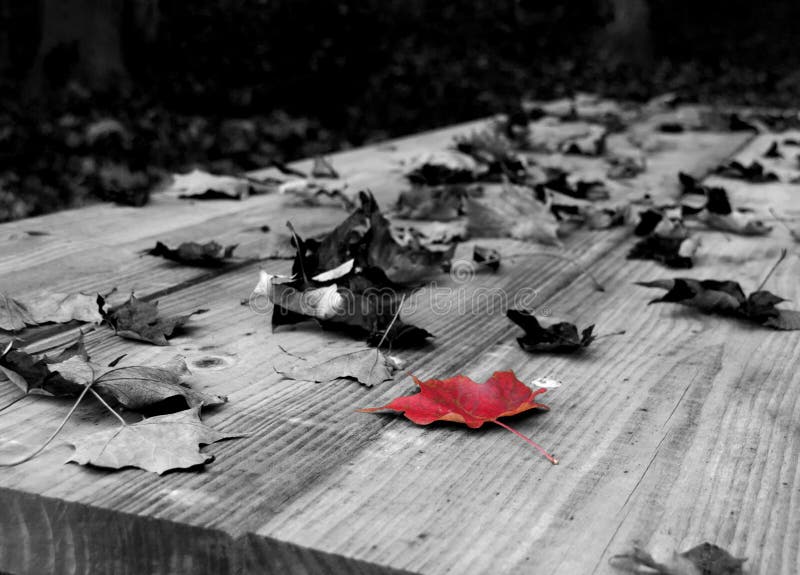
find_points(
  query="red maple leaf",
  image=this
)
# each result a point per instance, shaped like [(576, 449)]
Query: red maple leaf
[(462, 400)]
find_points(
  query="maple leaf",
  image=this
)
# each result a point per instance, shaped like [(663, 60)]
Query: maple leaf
[(461, 400), (209, 254), (488, 257), (666, 239), (158, 444), (133, 387), (507, 210), (704, 559), (322, 168), (139, 320), (558, 337), (493, 150), (444, 167), (727, 298), (200, 185), (753, 173), (47, 307), (366, 366), (717, 211), (141, 387), (440, 203), (61, 376)]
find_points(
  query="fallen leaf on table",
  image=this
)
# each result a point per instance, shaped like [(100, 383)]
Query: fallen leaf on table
[(141, 387), (549, 135), (754, 172), (558, 337), (717, 211), (577, 187), (366, 366), (209, 254), (444, 167), (200, 185), (47, 307), (704, 559), (497, 154), (666, 239), (158, 444), (459, 399), (727, 298), (440, 203), (139, 320), (313, 192), (322, 168), (486, 256), (43, 375), (367, 238), (774, 150), (507, 210)]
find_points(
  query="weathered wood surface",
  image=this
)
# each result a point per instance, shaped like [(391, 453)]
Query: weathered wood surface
[(683, 430)]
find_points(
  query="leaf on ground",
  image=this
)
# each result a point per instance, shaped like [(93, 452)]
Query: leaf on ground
[(577, 187), (754, 172), (552, 136), (64, 375), (558, 337), (488, 257), (139, 320), (209, 254), (140, 387), (774, 150), (727, 298), (497, 154), (200, 185), (704, 559), (314, 192), (624, 166), (158, 444), (439, 203), (461, 400), (666, 240), (366, 366), (444, 167), (718, 213), (47, 307), (510, 211), (322, 168)]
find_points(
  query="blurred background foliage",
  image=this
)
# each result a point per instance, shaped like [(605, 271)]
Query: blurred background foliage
[(237, 84)]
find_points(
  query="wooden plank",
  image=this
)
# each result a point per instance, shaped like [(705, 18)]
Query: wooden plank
[(329, 489)]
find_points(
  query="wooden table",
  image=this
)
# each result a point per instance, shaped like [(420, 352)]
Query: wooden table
[(681, 431)]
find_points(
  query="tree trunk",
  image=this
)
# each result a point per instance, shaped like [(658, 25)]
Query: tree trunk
[(80, 40), (627, 39)]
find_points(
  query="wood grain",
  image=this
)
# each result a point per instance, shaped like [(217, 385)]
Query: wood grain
[(680, 431)]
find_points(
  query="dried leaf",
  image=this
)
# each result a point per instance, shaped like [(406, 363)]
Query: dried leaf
[(704, 559), (727, 298), (755, 173), (141, 387), (139, 320), (489, 257), (47, 307), (558, 337), (200, 185), (505, 211), (158, 444), (322, 168), (209, 254), (444, 167), (461, 400), (366, 366), (63, 375)]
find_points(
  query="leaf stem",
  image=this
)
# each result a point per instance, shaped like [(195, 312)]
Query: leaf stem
[(52, 436), (541, 449), (772, 270), (109, 408)]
